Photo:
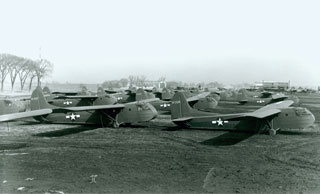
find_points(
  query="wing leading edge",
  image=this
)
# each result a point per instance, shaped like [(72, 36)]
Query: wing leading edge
[(20, 115)]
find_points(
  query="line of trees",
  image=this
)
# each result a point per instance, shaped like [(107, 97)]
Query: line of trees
[(141, 81), (14, 67), (131, 81)]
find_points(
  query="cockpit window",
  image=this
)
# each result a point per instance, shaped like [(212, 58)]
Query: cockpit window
[(301, 111), (142, 106), (7, 102), (210, 99)]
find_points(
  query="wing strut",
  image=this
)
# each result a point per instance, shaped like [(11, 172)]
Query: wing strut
[(115, 123), (269, 127)]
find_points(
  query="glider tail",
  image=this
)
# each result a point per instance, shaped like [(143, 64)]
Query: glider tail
[(47, 93), (101, 91), (180, 107), (104, 98), (46, 90), (242, 97), (38, 101), (141, 95), (166, 95)]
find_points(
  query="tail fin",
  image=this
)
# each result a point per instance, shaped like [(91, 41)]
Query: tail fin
[(166, 95), (242, 98), (84, 90), (47, 93), (101, 91), (46, 90), (180, 107), (104, 98), (141, 95), (38, 101)]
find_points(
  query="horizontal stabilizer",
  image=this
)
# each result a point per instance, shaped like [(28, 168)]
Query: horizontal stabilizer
[(144, 101), (65, 93), (197, 97), (149, 100), (182, 119), (76, 97), (111, 91), (98, 107), (20, 115), (279, 95), (243, 101)]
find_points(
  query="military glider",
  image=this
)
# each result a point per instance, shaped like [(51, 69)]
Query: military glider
[(104, 115), (102, 98), (263, 99), (268, 118), (199, 101)]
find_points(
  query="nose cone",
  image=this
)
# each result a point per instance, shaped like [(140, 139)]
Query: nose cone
[(312, 118), (153, 111), (307, 119), (112, 99), (205, 103), (213, 102), (147, 113)]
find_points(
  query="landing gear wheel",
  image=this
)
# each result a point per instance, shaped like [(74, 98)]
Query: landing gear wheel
[(272, 132), (115, 125)]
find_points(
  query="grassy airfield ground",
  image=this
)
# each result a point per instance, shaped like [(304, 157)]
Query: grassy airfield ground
[(155, 158)]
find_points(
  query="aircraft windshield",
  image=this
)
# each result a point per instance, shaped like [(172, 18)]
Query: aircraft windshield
[(142, 106), (210, 99), (301, 111)]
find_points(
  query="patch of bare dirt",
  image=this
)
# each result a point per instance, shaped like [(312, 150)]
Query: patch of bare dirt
[(155, 158)]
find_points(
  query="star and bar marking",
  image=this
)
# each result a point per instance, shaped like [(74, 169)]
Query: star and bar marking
[(73, 116), (67, 102), (219, 122), (165, 105)]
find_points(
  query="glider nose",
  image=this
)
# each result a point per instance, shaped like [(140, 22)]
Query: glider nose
[(154, 112), (312, 118), (309, 118), (146, 112), (113, 100)]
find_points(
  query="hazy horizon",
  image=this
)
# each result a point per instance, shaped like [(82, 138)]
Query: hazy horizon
[(190, 41)]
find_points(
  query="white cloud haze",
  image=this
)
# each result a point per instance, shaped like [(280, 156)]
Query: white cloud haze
[(192, 41)]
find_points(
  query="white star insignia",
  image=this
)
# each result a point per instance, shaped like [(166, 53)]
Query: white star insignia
[(165, 105), (260, 101), (72, 117), (219, 122), (67, 102)]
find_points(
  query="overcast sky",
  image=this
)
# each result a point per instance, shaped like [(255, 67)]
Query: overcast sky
[(193, 41)]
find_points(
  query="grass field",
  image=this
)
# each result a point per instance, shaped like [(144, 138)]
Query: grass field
[(155, 158)]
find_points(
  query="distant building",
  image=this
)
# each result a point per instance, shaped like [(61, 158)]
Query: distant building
[(162, 84), (157, 84), (272, 85)]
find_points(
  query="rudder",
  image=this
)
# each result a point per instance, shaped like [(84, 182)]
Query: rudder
[(38, 101), (141, 95), (101, 91), (46, 90), (180, 107)]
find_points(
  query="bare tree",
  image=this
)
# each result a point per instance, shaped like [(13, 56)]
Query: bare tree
[(124, 82), (162, 79), (142, 80), (25, 71), (33, 73), (132, 80), (44, 68), (5, 60), (14, 69)]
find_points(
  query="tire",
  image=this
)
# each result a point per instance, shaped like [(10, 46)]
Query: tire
[(272, 132)]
